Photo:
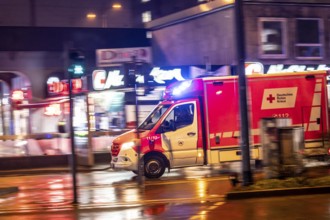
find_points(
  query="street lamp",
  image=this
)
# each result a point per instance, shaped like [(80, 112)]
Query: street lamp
[(116, 6)]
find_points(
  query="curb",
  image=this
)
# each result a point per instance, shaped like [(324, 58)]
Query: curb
[(51, 170), (277, 192), (7, 190)]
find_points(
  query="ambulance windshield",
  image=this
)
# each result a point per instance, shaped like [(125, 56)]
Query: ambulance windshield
[(153, 117)]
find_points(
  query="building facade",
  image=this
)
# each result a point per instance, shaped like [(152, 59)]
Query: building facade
[(290, 35), (75, 13), (286, 34)]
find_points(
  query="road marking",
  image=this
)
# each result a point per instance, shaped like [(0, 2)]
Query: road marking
[(202, 214), (168, 182)]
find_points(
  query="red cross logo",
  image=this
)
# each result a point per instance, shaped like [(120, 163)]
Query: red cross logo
[(270, 98)]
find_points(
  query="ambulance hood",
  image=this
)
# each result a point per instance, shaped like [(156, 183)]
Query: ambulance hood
[(130, 136)]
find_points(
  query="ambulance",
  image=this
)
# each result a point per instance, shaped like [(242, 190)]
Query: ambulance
[(197, 123)]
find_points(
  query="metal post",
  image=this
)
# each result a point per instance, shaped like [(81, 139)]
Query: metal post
[(2, 110), (137, 142), (244, 122), (73, 150)]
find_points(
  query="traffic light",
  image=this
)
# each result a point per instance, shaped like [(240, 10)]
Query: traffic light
[(76, 63)]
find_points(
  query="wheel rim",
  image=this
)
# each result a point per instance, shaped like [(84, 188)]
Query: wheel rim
[(153, 167)]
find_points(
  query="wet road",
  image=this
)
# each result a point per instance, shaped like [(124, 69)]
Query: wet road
[(281, 208), (194, 193), (109, 189)]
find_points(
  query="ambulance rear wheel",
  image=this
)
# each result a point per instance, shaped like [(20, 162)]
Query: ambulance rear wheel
[(154, 167)]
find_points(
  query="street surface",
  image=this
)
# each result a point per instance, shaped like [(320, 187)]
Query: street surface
[(110, 189), (190, 193)]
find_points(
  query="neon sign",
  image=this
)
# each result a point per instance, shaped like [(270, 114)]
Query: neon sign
[(253, 68), (110, 56), (276, 68), (53, 110), (103, 80), (62, 87), (17, 95), (160, 76)]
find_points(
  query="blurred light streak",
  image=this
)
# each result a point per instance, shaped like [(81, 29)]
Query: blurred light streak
[(201, 188), (131, 195)]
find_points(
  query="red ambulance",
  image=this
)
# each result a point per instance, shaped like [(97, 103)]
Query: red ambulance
[(197, 123)]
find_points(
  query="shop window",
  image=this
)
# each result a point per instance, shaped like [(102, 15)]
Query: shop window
[(308, 38), (146, 16), (272, 37)]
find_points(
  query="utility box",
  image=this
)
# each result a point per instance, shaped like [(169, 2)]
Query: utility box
[(291, 146), (269, 136), (281, 145)]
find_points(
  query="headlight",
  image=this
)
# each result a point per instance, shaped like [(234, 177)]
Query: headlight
[(127, 145)]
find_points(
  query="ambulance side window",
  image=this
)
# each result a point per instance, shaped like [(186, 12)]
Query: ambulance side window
[(183, 115), (168, 123), (179, 117)]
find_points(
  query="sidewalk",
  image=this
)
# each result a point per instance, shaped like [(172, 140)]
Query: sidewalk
[(309, 174), (61, 169), (48, 170)]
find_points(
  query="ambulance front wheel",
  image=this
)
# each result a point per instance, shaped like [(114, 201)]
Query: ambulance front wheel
[(154, 167)]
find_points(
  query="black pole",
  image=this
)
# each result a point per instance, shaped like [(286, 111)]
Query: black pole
[(73, 149), (244, 122), (2, 110), (137, 142)]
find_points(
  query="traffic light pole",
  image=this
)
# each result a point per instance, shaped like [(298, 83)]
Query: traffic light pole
[(138, 142), (73, 149), (244, 131)]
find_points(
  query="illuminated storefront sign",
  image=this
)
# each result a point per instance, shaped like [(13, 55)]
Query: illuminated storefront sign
[(253, 68), (105, 80), (55, 86), (53, 110), (110, 56), (276, 68), (116, 78), (17, 95), (161, 76)]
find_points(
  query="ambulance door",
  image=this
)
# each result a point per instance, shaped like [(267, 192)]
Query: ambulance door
[(180, 135)]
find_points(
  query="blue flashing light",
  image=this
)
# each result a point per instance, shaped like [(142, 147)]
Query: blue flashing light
[(181, 88)]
